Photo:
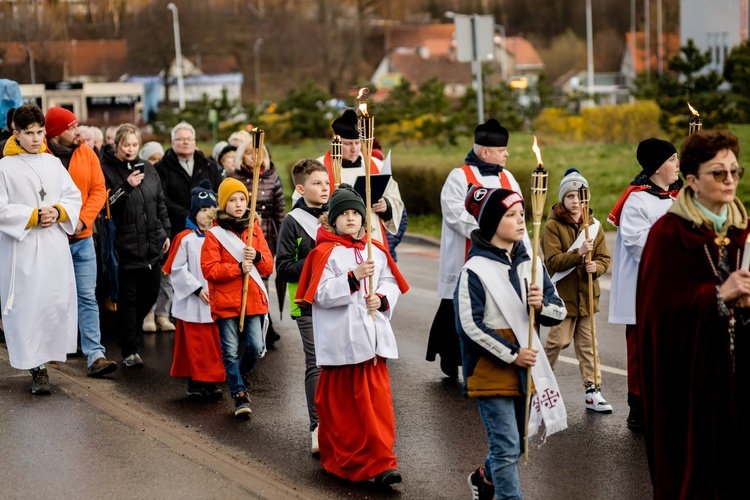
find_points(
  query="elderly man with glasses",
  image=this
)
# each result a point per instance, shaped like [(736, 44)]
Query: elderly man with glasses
[(181, 169)]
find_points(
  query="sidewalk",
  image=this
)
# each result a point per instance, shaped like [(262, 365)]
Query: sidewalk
[(83, 442)]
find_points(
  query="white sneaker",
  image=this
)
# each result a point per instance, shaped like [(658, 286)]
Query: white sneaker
[(595, 401), (148, 323), (314, 448)]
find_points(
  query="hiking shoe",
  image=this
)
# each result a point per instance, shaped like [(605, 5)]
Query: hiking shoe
[(314, 447), (149, 325), (133, 361), (101, 367), (242, 406), (164, 325), (40, 382), (635, 420), (479, 489), (391, 476), (595, 401)]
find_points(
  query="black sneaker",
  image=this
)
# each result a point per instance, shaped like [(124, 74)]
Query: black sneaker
[(212, 390), (195, 389), (242, 406), (391, 476), (40, 382), (479, 489)]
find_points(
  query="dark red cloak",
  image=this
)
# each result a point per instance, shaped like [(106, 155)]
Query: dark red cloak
[(691, 394)]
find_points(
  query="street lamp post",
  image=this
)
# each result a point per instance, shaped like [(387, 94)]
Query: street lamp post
[(589, 49), (31, 63), (474, 42), (504, 67), (256, 66), (178, 54)]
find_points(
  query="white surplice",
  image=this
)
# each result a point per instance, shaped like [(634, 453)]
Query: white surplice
[(37, 282)]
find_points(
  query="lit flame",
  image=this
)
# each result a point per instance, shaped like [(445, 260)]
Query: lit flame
[(537, 152), (362, 99), (693, 110)]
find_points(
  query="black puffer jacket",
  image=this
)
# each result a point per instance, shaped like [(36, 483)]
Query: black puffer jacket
[(140, 215), (270, 205), (177, 184)]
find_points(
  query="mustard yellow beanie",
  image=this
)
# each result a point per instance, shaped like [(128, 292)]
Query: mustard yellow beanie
[(227, 188)]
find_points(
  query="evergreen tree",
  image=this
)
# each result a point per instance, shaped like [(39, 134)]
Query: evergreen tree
[(737, 72)]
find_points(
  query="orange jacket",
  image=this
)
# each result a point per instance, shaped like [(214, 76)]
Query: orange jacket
[(87, 174), (224, 276)]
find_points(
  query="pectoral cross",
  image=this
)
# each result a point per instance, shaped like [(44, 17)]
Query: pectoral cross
[(42, 193)]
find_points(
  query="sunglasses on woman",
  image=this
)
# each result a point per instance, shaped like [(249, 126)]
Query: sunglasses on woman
[(720, 174)]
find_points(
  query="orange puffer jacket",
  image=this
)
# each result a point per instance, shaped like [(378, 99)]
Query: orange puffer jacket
[(225, 277)]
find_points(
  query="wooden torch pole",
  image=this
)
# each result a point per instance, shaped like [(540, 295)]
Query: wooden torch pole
[(538, 197), (258, 136)]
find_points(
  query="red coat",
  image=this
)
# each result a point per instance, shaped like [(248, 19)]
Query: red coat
[(225, 277)]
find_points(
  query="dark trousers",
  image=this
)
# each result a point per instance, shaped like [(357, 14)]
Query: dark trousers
[(138, 289)]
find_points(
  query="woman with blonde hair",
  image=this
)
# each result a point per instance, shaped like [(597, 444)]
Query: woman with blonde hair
[(270, 204), (136, 202)]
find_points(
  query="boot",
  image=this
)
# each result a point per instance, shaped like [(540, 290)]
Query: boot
[(635, 416), (149, 325)]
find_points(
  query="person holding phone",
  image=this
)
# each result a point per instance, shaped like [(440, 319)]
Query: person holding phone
[(137, 205)]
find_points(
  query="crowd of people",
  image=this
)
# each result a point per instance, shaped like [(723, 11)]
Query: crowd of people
[(175, 240)]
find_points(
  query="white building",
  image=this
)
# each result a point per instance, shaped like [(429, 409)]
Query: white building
[(715, 25)]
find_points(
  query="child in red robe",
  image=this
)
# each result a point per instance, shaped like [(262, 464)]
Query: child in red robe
[(353, 340), (197, 349)]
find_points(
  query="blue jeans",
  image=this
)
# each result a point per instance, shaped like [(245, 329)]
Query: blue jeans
[(84, 265), (236, 366), (504, 420)]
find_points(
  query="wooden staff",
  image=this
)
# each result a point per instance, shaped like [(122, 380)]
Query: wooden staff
[(538, 197), (258, 146), (585, 197), (366, 125), (337, 155)]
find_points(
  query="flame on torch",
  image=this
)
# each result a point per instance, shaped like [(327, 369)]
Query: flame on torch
[(693, 110), (362, 95), (537, 152)]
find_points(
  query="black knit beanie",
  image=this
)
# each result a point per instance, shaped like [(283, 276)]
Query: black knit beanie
[(344, 198)]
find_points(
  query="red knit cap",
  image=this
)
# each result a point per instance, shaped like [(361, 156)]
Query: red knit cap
[(58, 120)]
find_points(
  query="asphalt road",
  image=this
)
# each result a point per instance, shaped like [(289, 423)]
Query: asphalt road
[(440, 438)]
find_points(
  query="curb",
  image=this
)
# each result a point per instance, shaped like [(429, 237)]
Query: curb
[(421, 239)]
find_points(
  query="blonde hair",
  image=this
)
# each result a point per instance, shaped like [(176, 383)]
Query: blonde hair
[(240, 137), (240, 154), (124, 130)]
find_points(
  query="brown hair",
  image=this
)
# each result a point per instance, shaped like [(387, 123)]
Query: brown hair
[(26, 115), (303, 168), (702, 146)]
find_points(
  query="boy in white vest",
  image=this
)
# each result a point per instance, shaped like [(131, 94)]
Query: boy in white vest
[(492, 300), (295, 240), (225, 259), (565, 247)]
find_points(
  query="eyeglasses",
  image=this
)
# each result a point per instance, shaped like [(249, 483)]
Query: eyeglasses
[(184, 139), (720, 174), (203, 195)]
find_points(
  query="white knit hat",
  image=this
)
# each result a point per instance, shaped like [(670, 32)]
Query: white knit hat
[(572, 181), (149, 149)]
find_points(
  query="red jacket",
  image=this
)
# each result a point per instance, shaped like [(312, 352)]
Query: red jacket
[(225, 277)]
